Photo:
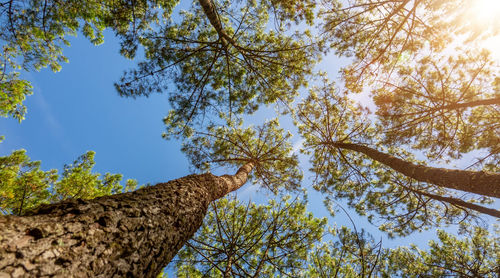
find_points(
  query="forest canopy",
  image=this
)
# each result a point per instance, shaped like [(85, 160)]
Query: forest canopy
[(407, 135)]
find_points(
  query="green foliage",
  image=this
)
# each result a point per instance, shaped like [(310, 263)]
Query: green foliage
[(354, 254), (36, 31), (297, 11), (13, 92), (428, 90), (431, 96), (351, 254), (24, 186), (282, 239), (438, 105), (267, 146), (326, 118), (162, 275), (78, 181), (215, 75), (251, 240), (383, 34), (261, 66), (475, 255)]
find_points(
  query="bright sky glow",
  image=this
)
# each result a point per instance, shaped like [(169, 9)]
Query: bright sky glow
[(486, 10), (486, 14), (493, 45)]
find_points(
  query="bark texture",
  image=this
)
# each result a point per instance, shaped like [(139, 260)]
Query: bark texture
[(133, 234), (482, 183)]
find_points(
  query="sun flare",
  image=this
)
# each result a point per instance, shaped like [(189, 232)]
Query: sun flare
[(485, 17), (486, 9)]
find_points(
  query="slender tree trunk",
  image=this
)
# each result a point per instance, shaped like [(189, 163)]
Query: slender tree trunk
[(227, 271), (482, 183), (474, 103), (133, 234), (459, 203), (20, 210), (209, 10), (454, 106)]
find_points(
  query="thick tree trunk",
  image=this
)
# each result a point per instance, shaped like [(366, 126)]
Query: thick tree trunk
[(132, 234), (482, 183)]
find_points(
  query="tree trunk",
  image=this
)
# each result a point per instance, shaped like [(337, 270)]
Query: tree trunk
[(132, 234), (459, 203), (482, 183), (453, 106), (210, 12), (227, 271), (491, 101)]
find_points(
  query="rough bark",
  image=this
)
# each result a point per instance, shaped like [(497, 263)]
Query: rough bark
[(132, 234), (477, 182)]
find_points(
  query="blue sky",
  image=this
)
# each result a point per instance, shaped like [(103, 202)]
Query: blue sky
[(78, 109)]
